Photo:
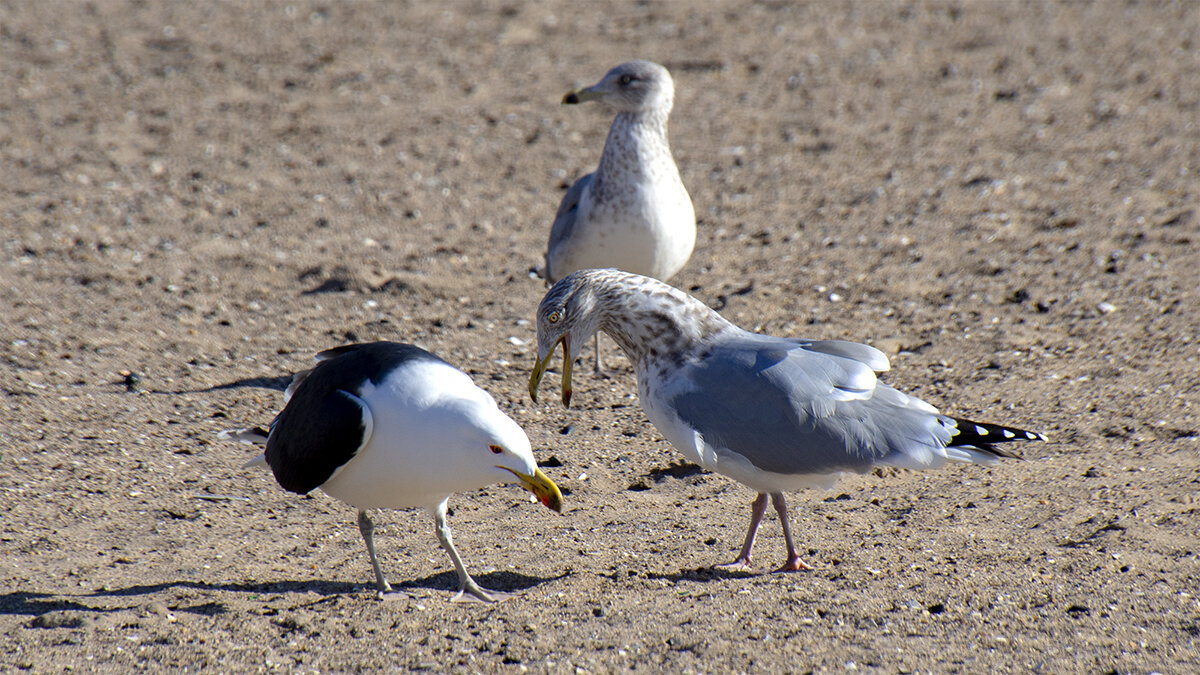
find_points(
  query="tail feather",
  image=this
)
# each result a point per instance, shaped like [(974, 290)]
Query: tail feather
[(258, 460), (252, 435), (301, 376)]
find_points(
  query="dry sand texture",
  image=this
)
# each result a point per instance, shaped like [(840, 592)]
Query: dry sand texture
[(1002, 196)]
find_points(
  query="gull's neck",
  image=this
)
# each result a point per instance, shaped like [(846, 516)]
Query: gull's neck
[(636, 148), (650, 320)]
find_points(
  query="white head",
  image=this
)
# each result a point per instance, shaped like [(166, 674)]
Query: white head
[(499, 450)]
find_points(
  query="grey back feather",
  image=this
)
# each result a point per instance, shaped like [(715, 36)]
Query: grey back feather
[(564, 223), (800, 410), (865, 354)]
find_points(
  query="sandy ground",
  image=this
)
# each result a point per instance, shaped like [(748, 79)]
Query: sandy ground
[(1002, 196)]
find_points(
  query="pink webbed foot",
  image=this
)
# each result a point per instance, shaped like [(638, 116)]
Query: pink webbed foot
[(794, 564), (739, 565)]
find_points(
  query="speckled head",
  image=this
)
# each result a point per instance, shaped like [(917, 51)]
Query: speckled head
[(642, 315), (633, 86), (567, 316)]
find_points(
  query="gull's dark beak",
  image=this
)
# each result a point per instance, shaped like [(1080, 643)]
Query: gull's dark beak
[(539, 369), (582, 95), (541, 486)]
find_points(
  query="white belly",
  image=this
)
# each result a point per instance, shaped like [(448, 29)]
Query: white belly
[(651, 234)]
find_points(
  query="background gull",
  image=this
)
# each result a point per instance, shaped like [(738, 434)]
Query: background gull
[(388, 425), (773, 413), (633, 212)]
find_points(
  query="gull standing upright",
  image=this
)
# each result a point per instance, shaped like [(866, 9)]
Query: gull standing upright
[(633, 212), (389, 425), (773, 413)]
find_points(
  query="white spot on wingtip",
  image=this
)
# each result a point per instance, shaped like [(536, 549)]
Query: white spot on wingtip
[(1009, 434), (980, 430)]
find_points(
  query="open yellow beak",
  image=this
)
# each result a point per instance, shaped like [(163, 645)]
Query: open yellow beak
[(582, 95), (539, 369), (541, 486)]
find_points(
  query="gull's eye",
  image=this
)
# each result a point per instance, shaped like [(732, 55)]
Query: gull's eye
[(553, 318), (496, 449), (625, 79)]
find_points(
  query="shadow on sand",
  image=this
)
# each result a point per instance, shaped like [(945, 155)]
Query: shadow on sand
[(35, 604), (277, 383)]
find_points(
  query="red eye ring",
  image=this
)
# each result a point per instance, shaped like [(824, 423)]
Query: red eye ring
[(496, 449)]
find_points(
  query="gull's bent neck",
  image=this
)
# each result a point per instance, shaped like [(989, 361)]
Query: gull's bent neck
[(649, 319)]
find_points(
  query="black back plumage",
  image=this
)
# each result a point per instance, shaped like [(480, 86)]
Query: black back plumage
[(321, 427)]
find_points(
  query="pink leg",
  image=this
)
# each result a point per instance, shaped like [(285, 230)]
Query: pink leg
[(794, 563), (757, 508)]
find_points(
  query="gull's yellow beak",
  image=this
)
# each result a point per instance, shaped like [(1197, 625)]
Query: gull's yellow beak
[(539, 369), (582, 95), (542, 487)]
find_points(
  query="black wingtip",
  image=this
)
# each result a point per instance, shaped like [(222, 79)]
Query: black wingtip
[(983, 435)]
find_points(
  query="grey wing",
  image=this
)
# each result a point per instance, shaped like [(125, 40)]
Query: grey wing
[(792, 411), (564, 220), (865, 354)]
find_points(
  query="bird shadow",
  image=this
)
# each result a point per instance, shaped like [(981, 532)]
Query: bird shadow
[(675, 470), (704, 575), (277, 383), (29, 603), (32, 603), (511, 582)]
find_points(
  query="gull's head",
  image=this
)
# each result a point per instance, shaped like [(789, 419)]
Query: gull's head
[(633, 86), (502, 444), (568, 315)]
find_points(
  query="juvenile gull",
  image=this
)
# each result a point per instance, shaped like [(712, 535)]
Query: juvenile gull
[(773, 413), (388, 425), (633, 212)]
